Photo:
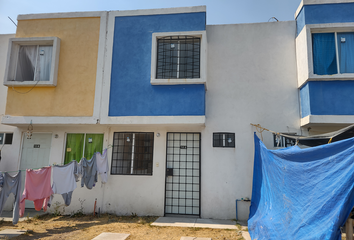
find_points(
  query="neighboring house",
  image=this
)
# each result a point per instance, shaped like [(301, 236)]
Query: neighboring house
[(9, 136), (174, 96), (325, 64)]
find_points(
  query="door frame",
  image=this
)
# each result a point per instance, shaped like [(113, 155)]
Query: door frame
[(21, 146), (200, 175)]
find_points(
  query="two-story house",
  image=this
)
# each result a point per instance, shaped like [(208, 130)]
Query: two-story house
[(325, 67), (171, 99)]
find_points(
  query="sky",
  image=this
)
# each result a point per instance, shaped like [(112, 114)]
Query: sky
[(218, 11)]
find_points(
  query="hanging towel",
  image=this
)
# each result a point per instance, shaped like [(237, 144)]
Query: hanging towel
[(102, 165), (37, 189), (9, 185), (89, 172), (64, 181)]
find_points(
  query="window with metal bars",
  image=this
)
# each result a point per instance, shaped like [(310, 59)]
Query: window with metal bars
[(281, 141), (132, 153), (224, 140), (178, 57)]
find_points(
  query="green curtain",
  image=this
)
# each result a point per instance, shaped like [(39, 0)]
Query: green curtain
[(93, 143), (74, 147)]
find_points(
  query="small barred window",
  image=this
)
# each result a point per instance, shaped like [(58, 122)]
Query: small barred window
[(178, 57)]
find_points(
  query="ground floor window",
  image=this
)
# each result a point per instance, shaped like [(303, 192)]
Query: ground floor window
[(132, 153), (80, 145), (6, 138)]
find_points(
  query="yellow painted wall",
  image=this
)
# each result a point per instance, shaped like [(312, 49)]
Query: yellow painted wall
[(75, 90)]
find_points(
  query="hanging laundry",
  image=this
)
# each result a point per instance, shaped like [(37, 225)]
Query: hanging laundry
[(89, 172), (37, 189), (102, 165), (64, 181), (9, 185)]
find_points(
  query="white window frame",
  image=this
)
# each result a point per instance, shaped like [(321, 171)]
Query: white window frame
[(4, 137), (203, 57), (326, 28), (12, 59)]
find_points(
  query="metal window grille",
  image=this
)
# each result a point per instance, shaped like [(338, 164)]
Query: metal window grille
[(281, 141), (178, 57), (224, 140), (182, 194), (132, 153)]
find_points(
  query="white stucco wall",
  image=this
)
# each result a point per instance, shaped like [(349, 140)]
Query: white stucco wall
[(251, 79), (122, 194), (9, 157), (9, 153), (302, 57)]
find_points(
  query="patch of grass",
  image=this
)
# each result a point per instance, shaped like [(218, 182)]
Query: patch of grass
[(28, 232), (28, 219), (239, 227), (194, 229)]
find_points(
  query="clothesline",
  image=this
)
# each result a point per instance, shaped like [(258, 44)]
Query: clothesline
[(33, 168), (40, 186), (54, 164)]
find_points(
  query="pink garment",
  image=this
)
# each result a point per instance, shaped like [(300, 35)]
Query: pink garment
[(37, 189)]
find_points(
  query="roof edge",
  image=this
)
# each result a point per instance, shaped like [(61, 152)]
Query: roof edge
[(318, 2)]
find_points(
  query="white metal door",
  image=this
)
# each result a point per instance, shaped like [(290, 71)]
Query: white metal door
[(35, 154), (182, 194)]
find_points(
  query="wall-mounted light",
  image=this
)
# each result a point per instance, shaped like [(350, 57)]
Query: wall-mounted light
[(157, 134), (56, 135), (29, 131)]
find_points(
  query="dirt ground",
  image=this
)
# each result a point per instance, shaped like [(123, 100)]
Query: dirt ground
[(87, 227)]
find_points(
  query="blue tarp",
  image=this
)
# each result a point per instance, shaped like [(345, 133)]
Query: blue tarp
[(301, 193)]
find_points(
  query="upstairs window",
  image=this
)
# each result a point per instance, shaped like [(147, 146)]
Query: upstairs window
[(178, 57), (333, 53), (32, 61)]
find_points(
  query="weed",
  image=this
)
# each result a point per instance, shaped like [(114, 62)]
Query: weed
[(57, 207), (28, 219), (133, 215), (80, 212), (28, 232), (142, 221), (194, 229)]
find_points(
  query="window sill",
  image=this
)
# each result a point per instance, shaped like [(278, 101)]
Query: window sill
[(343, 76), (177, 81), (29, 84), (334, 77)]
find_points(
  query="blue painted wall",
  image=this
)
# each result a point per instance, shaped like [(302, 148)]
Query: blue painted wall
[(131, 93), (325, 13), (327, 98)]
